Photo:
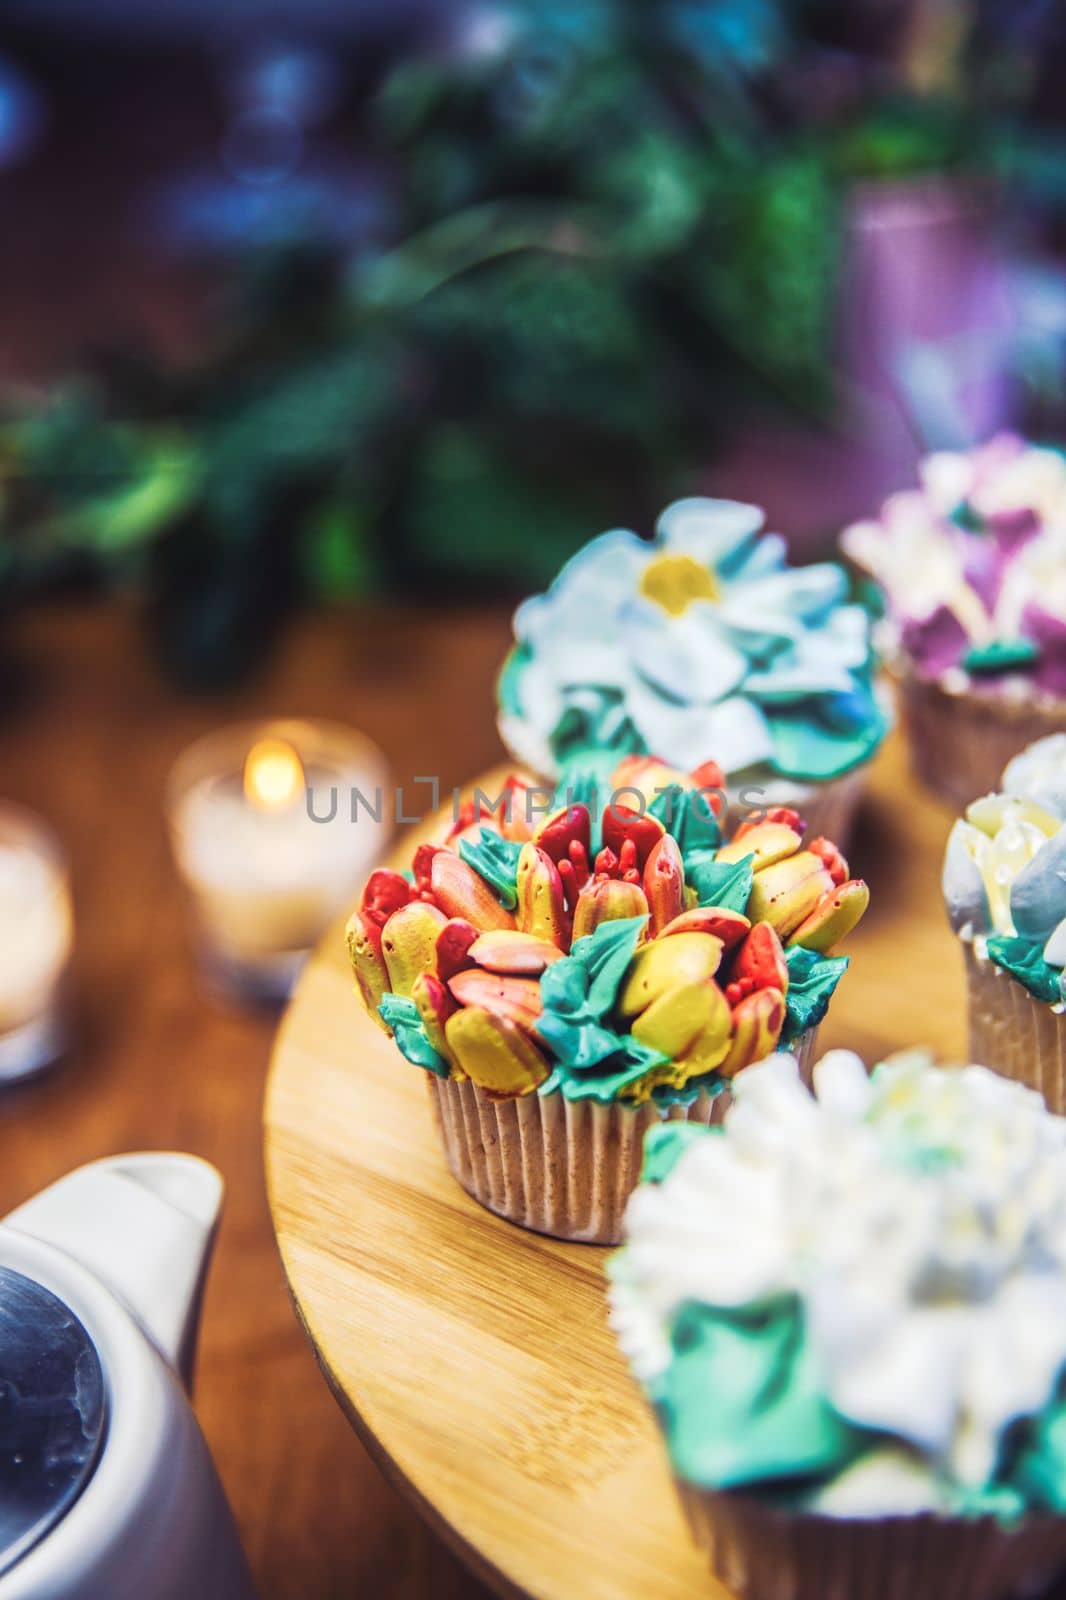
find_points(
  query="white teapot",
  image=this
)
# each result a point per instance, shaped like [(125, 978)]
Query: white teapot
[(107, 1490)]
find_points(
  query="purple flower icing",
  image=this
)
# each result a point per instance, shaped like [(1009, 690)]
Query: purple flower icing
[(1049, 633), (984, 567), (973, 565), (936, 642), (1012, 529)]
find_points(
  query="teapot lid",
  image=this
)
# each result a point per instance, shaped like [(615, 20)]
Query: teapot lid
[(52, 1412)]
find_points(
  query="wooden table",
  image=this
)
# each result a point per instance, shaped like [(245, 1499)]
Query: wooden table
[(475, 1357), (159, 1064)]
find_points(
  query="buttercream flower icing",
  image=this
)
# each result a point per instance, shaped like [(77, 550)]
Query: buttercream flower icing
[(973, 568), (1004, 874), (625, 953), (854, 1300), (701, 640)]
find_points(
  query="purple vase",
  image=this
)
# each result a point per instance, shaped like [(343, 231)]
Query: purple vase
[(927, 318)]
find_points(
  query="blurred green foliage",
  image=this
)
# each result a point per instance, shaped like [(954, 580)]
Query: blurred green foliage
[(616, 227)]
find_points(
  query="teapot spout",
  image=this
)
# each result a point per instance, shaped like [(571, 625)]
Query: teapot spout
[(145, 1225)]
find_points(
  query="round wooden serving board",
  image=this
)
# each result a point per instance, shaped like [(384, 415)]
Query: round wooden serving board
[(475, 1359)]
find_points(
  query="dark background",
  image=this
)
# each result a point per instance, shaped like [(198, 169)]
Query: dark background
[(414, 299)]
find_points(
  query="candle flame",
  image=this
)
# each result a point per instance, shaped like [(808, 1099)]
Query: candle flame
[(273, 775)]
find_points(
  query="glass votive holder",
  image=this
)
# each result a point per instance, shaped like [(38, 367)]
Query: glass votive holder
[(36, 932), (274, 825)]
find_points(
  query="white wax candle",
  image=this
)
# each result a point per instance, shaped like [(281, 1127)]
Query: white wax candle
[(269, 878), (35, 933)]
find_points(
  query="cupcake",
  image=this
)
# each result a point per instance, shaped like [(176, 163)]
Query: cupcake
[(567, 982), (973, 569), (849, 1312), (1005, 888), (700, 642)]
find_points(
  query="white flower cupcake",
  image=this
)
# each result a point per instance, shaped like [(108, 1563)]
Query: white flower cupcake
[(849, 1310), (1005, 888), (973, 569), (702, 644)]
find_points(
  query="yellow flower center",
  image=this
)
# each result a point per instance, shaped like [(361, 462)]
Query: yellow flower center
[(673, 582)]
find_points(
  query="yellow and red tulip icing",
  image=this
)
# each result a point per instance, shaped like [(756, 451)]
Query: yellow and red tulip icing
[(631, 955)]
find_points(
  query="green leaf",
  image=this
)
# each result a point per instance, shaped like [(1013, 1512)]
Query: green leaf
[(808, 748), (401, 1017), (317, 414), (1001, 655), (605, 955), (610, 1074), (473, 509), (743, 1403), (1040, 1467), (688, 815), (595, 720), (665, 1145), (594, 1060), (811, 980), (338, 557), (167, 482), (1024, 960), (496, 860), (578, 1044), (564, 988), (725, 884), (453, 246)]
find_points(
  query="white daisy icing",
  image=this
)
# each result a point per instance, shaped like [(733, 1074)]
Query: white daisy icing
[(918, 1216)]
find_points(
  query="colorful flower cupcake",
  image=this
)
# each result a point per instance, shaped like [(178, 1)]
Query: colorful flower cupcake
[(849, 1311), (1005, 887), (700, 642), (568, 982), (973, 569)]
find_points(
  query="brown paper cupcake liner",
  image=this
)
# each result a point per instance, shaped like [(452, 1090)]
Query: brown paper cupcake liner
[(558, 1166), (763, 1553), (1013, 1032), (960, 743)]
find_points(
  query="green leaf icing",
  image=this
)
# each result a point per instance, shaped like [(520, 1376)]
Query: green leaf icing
[(998, 1500), (1024, 960), (725, 884), (1039, 1473), (964, 516), (665, 1145), (401, 1016), (1001, 655), (578, 993), (665, 1094), (595, 720), (813, 748), (588, 769), (687, 814), (625, 1064), (496, 860), (811, 981), (605, 955), (770, 1420)]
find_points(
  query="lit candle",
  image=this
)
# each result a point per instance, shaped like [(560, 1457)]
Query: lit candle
[(270, 843), (36, 925)]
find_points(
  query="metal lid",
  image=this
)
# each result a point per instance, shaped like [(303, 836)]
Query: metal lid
[(52, 1412)]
